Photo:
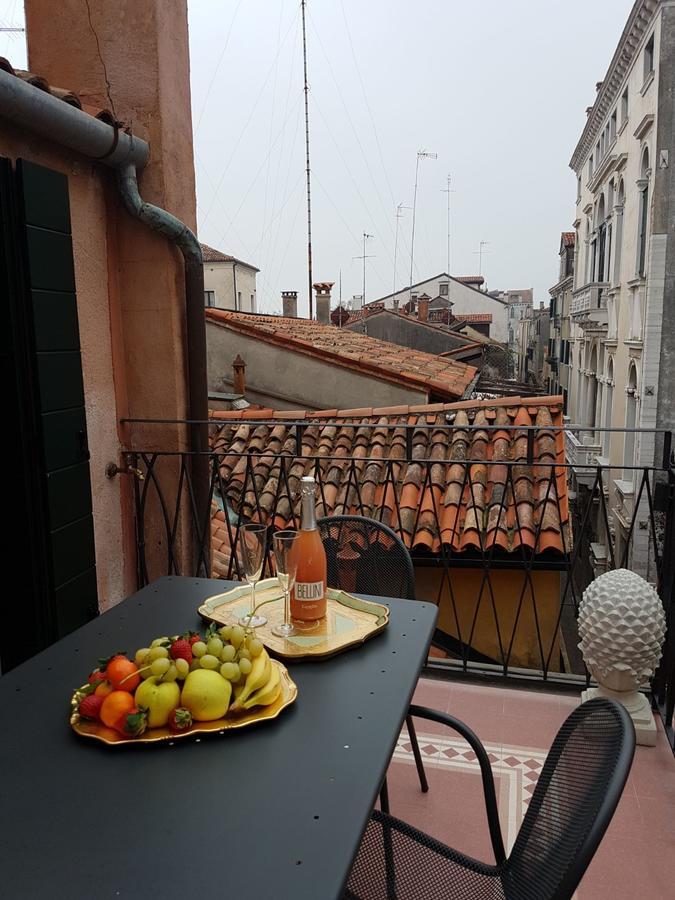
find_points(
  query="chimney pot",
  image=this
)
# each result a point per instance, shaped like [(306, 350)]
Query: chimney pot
[(239, 367), (289, 302), (323, 289)]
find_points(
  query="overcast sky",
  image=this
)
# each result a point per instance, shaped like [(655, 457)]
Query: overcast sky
[(498, 89)]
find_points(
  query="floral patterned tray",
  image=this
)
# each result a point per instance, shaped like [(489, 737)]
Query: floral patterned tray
[(349, 621)]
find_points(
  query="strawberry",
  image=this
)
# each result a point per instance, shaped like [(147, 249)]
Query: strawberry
[(181, 649), (132, 723), (192, 637), (180, 719), (96, 677), (89, 706)]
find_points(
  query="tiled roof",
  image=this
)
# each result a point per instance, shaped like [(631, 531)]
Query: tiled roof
[(474, 317), (105, 115), (568, 238), (211, 255), (443, 378), (497, 500), (470, 279)]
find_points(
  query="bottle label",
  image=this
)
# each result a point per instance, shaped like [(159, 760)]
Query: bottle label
[(309, 590)]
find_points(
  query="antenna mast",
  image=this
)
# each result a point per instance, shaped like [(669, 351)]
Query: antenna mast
[(448, 191), (309, 202)]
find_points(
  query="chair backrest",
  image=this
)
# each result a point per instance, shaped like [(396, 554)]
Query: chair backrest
[(366, 557), (573, 803)]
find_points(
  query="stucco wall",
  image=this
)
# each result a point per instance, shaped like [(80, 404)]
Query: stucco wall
[(219, 277), (406, 332), (288, 380)]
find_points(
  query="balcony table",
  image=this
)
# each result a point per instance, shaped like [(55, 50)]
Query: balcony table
[(276, 810)]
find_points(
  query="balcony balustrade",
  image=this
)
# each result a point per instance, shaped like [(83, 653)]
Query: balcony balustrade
[(589, 306)]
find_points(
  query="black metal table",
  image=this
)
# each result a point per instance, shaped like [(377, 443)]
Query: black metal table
[(274, 811)]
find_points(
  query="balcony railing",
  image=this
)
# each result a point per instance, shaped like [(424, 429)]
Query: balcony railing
[(589, 305), (498, 544)]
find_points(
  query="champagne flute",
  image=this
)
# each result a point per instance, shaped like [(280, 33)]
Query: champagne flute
[(252, 541), (286, 559)]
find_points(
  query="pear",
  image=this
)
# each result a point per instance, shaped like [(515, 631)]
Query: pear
[(206, 694), (158, 698)]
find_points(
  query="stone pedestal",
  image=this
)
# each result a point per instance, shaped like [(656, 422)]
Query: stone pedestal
[(638, 708)]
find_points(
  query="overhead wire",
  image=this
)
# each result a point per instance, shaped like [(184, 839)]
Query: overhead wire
[(216, 70)]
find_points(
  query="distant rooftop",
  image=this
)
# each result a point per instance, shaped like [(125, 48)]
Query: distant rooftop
[(211, 255)]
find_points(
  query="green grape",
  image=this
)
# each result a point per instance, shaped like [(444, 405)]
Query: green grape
[(195, 664), (171, 673), (228, 653), (141, 656), (146, 672), (198, 649), (157, 653), (225, 632), (214, 646), (237, 636), (245, 666), (255, 647), (158, 641), (160, 666), (244, 653), (231, 671), (182, 667), (209, 661)]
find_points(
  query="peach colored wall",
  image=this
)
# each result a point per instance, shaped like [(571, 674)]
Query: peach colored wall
[(130, 281)]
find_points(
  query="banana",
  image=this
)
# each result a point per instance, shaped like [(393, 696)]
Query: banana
[(268, 693), (257, 678)]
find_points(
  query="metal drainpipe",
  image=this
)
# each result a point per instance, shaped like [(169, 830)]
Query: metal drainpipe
[(59, 122), (178, 233)]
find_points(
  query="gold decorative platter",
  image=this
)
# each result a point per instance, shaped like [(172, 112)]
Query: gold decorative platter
[(349, 621), (100, 732)]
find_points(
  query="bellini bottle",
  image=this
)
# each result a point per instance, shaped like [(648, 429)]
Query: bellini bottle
[(308, 600)]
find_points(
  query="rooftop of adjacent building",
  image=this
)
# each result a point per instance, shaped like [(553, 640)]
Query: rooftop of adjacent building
[(210, 255)]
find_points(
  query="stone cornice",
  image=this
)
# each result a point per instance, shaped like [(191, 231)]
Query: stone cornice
[(638, 22)]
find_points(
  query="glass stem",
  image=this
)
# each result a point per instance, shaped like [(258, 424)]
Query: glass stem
[(252, 598), (287, 605)]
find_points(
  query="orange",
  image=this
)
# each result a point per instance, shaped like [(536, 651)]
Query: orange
[(103, 689), (117, 671), (114, 706)]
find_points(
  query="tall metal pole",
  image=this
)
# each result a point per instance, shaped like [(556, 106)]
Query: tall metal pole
[(365, 238), (448, 192), (309, 202), (421, 154), (399, 215)]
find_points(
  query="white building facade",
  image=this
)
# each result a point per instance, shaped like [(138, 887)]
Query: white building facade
[(622, 260), (229, 283), (462, 298)]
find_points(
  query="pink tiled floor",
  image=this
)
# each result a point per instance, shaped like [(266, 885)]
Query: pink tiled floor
[(637, 856)]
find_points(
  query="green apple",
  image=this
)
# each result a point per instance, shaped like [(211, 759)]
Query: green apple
[(206, 694), (158, 699)]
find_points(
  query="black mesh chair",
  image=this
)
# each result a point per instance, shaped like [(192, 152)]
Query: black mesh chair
[(366, 557), (572, 805)]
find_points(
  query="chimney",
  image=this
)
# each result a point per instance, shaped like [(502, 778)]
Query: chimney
[(423, 309), (239, 367), (322, 289), (289, 300)]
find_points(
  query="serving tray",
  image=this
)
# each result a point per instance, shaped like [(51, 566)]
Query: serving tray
[(349, 621), (99, 732)]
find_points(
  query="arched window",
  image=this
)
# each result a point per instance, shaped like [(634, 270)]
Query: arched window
[(601, 241), (631, 420), (618, 232), (609, 400), (643, 212), (592, 389)]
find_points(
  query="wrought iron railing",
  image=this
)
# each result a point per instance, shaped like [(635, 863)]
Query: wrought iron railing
[(498, 544)]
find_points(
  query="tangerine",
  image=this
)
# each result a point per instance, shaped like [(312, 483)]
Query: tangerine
[(122, 674), (103, 689), (114, 706)]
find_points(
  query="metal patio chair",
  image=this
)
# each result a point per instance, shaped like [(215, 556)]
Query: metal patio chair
[(366, 557), (571, 806)]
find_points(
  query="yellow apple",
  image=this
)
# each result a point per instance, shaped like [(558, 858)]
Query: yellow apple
[(206, 694)]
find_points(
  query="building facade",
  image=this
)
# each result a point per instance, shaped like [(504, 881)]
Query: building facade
[(459, 295), (229, 283), (621, 359), (557, 363)]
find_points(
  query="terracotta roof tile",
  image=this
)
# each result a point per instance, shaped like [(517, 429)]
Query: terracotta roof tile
[(436, 501), (449, 379)]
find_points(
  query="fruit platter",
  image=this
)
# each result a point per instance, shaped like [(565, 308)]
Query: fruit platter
[(182, 685)]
